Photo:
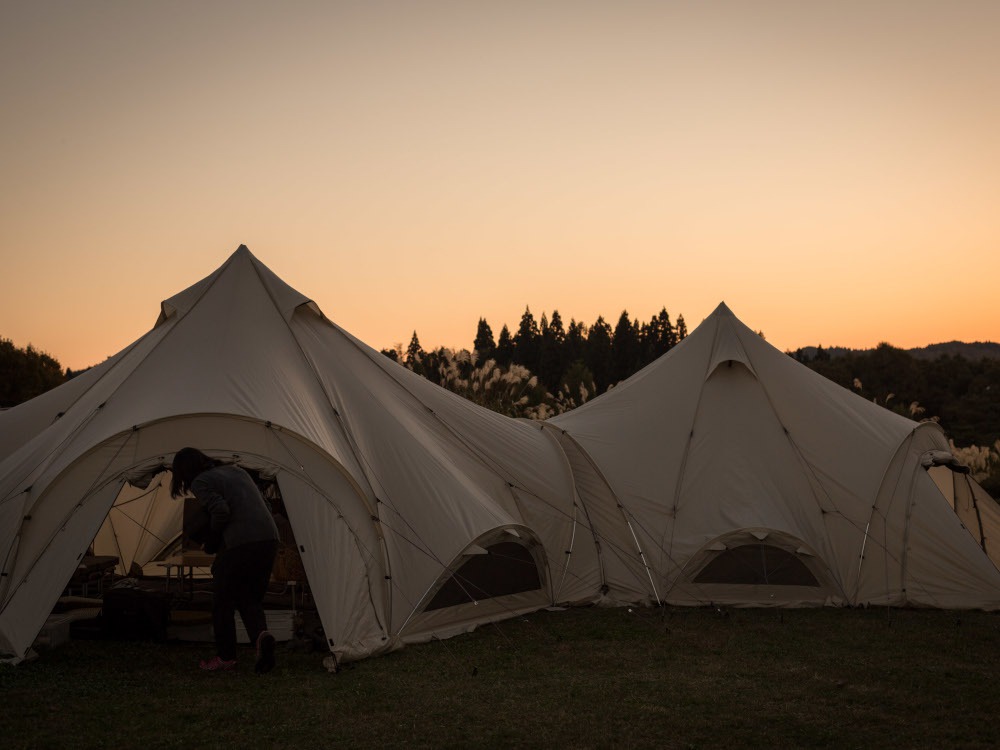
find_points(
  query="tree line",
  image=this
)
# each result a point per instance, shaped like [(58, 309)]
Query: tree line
[(561, 357)]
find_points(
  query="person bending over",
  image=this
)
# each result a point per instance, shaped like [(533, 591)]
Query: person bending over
[(243, 536)]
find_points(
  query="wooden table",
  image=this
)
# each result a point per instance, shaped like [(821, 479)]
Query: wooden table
[(185, 563)]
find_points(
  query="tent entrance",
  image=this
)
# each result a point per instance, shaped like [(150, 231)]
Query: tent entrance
[(145, 528), (144, 532)]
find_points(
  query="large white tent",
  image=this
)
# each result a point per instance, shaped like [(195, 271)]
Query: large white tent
[(751, 480), (725, 472), (392, 485)]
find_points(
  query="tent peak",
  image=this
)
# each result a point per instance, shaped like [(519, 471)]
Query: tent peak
[(723, 309), (246, 267), (242, 252)]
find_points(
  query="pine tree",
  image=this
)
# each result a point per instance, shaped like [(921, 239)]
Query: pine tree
[(556, 327), (484, 345), (505, 348), (415, 355), (575, 345), (599, 354), (682, 329), (668, 334), (549, 354), (625, 348), (526, 341), (657, 337)]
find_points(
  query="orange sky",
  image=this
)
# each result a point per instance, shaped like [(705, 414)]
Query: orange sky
[(830, 170)]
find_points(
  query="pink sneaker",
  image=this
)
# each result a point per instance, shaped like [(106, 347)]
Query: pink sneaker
[(215, 664)]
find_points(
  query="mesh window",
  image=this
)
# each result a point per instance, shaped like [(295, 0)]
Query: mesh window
[(757, 564), (508, 568)]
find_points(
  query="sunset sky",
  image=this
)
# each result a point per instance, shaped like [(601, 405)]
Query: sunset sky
[(830, 170)]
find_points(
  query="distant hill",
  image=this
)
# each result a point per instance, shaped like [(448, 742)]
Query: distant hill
[(975, 351)]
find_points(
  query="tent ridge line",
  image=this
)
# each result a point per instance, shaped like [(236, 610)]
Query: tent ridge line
[(814, 479), (682, 469), (518, 504), (578, 503), (314, 371), (904, 443), (621, 507)]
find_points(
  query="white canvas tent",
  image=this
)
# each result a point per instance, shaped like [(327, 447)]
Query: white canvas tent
[(751, 480), (397, 490), (724, 472)]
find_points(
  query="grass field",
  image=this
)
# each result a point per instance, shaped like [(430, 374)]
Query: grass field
[(580, 678)]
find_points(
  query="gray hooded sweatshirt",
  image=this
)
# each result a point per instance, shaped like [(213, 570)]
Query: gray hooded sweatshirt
[(234, 504)]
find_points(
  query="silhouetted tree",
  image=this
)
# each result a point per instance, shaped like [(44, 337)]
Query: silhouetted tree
[(484, 346), (682, 329), (414, 355), (556, 328), (599, 354), (526, 341), (26, 373), (575, 345), (505, 348), (625, 348), (661, 337), (550, 341)]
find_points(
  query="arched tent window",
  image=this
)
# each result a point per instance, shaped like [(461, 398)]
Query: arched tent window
[(756, 567), (499, 565), (759, 564)]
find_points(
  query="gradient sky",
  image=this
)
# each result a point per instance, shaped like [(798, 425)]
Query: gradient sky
[(831, 170)]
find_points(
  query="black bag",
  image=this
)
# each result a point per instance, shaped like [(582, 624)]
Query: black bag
[(134, 614)]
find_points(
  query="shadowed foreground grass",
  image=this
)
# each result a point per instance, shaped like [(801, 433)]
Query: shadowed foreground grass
[(675, 678)]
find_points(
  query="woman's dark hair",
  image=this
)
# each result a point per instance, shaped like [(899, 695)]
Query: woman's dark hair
[(188, 463)]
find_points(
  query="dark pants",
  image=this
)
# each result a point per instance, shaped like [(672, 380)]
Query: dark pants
[(240, 577)]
